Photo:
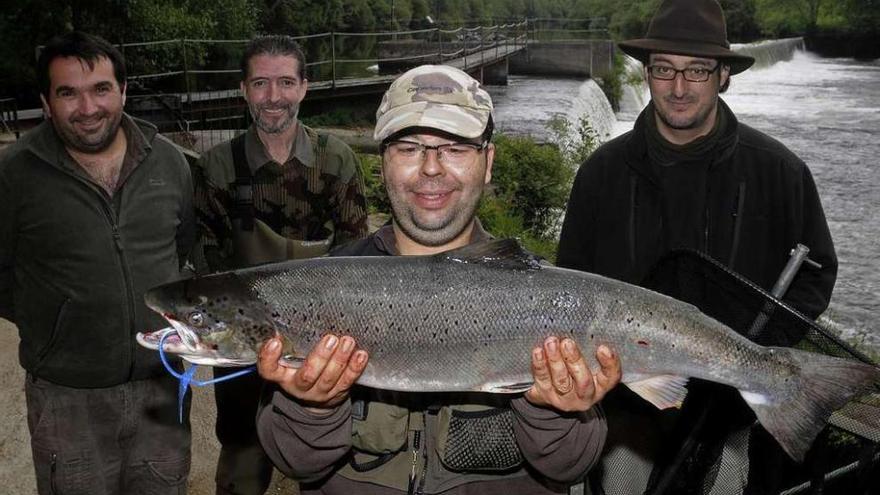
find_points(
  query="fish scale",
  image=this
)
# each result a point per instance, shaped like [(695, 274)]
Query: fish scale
[(466, 320)]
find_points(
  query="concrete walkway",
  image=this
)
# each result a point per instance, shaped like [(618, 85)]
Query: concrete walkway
[(16, 467)]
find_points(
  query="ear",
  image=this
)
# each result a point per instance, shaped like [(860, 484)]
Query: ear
[(490, 159), (123, 89), (723, 75), (243, 87), (46, 109)]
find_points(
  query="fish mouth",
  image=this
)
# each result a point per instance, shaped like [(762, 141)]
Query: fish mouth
[(174, 344), (185, 335)]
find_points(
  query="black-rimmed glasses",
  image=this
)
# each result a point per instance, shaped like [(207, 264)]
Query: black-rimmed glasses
[(451, 153), (691, 74)]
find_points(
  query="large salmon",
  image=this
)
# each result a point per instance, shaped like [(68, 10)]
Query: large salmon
[(466, 320)]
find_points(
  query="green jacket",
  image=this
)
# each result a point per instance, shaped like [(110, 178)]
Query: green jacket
[(75, 262)]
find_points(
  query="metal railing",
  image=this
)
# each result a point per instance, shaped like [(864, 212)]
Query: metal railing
[(9, 117)]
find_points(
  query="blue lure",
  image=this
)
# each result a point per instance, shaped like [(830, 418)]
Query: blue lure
[(186, 378)]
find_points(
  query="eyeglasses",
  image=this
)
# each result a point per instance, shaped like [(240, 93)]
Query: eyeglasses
[(455, 154), (692, 74)]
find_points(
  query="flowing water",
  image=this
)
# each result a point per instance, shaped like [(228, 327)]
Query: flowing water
[(825, 110)]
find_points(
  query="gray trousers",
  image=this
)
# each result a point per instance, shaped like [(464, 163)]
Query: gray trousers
[(124, 439)]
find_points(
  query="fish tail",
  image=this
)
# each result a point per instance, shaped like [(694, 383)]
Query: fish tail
[(795, 412)]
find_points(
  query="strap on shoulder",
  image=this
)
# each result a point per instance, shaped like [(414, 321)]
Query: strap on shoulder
[(242, 188)]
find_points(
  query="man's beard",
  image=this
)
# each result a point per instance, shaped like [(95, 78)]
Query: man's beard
[(281, 125), (698, 119), (435, 232), (98, 143)]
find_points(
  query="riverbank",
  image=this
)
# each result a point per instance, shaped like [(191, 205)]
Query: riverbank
[(860, 47)]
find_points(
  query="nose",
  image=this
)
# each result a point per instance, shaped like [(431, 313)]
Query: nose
[(431, 165), (86, 104), (274, 92), (679, 84)]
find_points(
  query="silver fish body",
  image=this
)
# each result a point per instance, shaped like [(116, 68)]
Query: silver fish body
[(466, 320)]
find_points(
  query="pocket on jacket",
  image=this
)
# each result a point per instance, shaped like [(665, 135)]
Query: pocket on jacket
[(381, 429), (477, 438), (43, 313)]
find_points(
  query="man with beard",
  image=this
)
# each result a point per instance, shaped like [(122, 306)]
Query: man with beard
[(95, 209), (689, 175), (279, 191), (435, 127)]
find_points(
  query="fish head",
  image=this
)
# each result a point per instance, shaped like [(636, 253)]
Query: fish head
[(218, 320)]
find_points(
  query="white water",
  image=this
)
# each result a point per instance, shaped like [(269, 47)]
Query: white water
[(825, 110)]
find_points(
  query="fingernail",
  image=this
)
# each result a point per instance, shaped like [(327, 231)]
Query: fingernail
[(538, 355), (331, 342), (273, 346), (347, 344), (360, 357), (552, 345), (605, 352), (568, 346)]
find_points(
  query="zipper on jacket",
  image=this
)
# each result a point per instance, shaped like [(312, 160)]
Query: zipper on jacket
[(126, 278), (633, 210), (737, 222), (416, 447), (53, 468)]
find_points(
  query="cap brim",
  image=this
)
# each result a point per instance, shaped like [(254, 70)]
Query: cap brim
[(640, 49), (454, 119)]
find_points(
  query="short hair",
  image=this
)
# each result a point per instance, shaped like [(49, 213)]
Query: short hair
[(86, 47), (726, 84), (276, 44)]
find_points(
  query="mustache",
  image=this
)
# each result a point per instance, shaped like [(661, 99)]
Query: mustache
[(276, 106), (688, 98), (80, 118), (434, 185)]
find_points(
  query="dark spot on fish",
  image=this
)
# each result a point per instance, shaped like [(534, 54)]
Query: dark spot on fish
[(360, 301), (629, 319), (643, 343), (664, 326), (276, 314), (592, 336), (240, 311)]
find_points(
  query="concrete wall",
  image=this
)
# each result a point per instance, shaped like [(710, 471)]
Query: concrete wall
[(587, 58)]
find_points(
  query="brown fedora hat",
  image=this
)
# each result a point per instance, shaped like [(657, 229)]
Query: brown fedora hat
[(688, 27)]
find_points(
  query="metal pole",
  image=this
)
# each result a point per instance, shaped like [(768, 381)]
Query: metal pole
[(796, 259), (333, 59), (186, 74)]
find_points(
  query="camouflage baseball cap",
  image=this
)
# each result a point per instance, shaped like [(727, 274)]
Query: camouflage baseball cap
[(435, 96)]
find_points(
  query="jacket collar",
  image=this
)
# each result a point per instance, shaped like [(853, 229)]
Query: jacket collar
[(637, 148), (302, 151)]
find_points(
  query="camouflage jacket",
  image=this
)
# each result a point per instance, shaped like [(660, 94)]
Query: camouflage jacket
[(319, 188)]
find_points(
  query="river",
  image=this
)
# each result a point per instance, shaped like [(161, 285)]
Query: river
[(826, 110)]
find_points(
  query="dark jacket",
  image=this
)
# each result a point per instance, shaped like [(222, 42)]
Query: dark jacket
[(461, 443), (756, 200), (75, 262)]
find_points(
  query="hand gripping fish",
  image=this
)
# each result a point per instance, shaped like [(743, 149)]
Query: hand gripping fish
[(467, 319)]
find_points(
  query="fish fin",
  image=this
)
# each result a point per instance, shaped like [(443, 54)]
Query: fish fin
[(664, 391), (499, 253), (797, 411), (508, 388)]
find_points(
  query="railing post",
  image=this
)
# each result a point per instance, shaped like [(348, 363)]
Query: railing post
[(440, 44), (333, 59), (186, 74)]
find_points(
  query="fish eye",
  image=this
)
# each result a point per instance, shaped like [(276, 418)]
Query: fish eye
[(196, 319)]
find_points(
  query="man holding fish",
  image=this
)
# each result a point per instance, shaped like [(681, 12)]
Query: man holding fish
[(435, 126)]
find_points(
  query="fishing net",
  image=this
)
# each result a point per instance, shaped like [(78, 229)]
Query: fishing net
[(697, 462)]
